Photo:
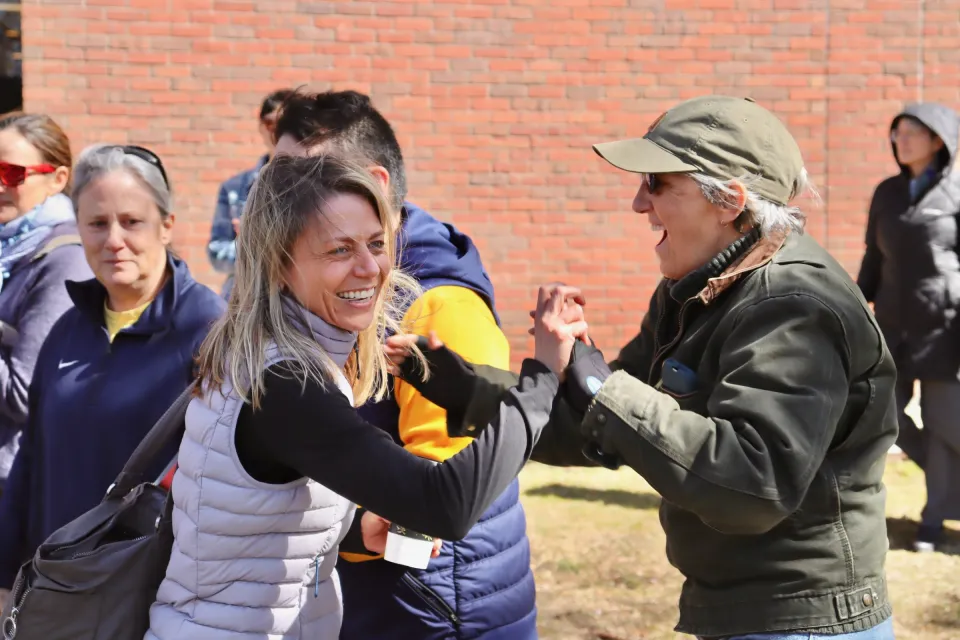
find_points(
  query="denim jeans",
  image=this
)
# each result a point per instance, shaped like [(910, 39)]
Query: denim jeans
[(883, 631)]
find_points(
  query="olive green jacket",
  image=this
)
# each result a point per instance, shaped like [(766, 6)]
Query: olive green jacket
[(770, 465)]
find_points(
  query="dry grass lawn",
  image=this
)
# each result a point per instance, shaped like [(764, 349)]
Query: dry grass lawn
[(598, 555)]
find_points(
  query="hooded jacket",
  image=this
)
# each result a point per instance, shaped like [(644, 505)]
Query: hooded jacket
[(480, 586), (911, 269)]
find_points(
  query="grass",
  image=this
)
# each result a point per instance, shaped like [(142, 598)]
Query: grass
[(598, 557)]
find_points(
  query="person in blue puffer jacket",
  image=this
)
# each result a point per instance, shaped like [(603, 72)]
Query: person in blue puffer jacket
[(481, 586)]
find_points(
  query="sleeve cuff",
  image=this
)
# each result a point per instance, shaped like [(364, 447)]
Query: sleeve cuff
[(607, 406)]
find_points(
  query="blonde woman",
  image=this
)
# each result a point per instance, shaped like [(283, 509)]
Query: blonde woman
[(275, 456)]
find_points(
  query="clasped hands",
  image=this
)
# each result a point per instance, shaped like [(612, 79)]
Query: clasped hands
[(560, 332), (558, 323)]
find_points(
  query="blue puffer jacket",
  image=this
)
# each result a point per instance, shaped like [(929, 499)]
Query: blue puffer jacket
[(481, 586)]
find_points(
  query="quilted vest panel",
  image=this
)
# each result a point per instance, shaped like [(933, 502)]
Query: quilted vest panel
[(250, 560)]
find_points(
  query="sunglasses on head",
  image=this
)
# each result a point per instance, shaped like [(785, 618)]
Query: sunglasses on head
[(14, 175), (147, 156)]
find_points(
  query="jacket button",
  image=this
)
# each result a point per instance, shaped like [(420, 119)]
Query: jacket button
[(867, 600), (602, 418)]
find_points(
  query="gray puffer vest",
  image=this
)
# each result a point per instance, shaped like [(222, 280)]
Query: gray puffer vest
[(249, 560)]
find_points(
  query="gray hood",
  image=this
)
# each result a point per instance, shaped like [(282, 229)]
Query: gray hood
[(940, 119)]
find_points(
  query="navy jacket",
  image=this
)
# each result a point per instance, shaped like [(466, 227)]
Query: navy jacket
[(91, 402), (480, 586)]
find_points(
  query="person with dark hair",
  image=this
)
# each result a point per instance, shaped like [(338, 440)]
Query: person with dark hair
[(40, 250), (481, 585), (233, 194), (911, 273)]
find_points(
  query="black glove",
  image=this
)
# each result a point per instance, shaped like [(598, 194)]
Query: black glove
[(452, 379), (584, 375)]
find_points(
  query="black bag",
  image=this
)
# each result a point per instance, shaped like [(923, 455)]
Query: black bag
[(96, 577)]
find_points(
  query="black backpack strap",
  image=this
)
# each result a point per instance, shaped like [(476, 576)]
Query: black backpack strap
[(156, 439)]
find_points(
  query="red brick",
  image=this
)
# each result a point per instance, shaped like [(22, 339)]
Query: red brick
[(497, 103)]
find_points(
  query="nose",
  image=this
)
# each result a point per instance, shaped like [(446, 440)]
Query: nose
[(114, 241), (641, 201), (366, 265)]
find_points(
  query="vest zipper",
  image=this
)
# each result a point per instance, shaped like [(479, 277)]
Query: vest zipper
[(431, 599), (316, 576)]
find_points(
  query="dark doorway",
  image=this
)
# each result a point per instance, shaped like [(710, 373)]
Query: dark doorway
[(11, 57)]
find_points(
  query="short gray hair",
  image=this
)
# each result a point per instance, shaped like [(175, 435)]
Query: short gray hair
[(100, 159), (769, 216)]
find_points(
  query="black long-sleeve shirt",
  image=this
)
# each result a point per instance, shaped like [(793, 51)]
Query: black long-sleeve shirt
[(315, 432)]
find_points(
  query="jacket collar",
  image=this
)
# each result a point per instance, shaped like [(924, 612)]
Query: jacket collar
[(89, 297), (746, 254)]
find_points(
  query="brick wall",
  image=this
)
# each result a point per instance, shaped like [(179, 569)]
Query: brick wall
[(497, 103)]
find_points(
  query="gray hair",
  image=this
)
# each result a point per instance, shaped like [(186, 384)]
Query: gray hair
[(98, 160), (769, 216)]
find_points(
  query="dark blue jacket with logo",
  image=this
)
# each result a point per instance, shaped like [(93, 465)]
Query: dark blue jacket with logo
[(92, 401), (480, 586)]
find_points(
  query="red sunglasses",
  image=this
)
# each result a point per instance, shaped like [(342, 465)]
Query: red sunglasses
[(13, 175)]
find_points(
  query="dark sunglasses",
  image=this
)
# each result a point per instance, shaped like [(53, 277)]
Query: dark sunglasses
[(14, 175), (653, 181), (147, 156)]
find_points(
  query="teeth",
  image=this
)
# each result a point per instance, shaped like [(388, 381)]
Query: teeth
[(362, 294), (657, 227)]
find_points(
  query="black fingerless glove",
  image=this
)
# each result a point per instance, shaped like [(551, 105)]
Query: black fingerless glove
[(452, 378), (584, 375)]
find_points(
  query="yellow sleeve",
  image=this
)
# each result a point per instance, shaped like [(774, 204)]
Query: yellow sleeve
[(465, 324)]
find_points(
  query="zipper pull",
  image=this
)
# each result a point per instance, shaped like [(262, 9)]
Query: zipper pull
[(10, 625), (316, 576)]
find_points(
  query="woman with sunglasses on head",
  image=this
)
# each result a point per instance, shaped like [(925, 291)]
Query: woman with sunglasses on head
[(39, 250), (115, 361)]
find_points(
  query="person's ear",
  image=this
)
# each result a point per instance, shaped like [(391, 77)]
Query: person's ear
[(60, 178), (382, 176), (739, 201), (166, 228)]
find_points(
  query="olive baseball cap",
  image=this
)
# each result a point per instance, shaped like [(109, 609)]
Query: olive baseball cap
[(724, 137)]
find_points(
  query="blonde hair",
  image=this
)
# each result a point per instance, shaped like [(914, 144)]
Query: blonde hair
[(289, 193)]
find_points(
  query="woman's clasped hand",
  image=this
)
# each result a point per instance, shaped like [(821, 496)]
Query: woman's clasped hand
[(558, 322)]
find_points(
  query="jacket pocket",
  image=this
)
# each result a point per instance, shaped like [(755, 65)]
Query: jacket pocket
[(430, 598)]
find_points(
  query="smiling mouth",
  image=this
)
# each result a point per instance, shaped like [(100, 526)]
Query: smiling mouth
[(358, 295)]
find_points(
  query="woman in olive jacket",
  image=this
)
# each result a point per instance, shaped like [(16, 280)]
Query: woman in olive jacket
[(911, 273)]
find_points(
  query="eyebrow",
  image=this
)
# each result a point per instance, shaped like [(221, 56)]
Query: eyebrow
[(350, 239)]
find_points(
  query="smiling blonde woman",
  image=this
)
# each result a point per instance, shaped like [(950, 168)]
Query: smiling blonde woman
[(274, 454)]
